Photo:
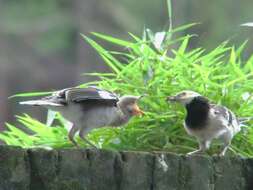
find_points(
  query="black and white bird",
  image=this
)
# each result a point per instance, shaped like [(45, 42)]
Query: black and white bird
[(89, 108), (207, 121)]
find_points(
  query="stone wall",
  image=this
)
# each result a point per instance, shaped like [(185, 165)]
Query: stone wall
[(82, 169)]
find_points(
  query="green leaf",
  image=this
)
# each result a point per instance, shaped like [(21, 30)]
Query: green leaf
[(113, 40), (30, 94), (109, 59), (51, 115)]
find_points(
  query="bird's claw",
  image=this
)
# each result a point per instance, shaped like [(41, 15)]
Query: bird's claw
[(74, 143), (90, 144), (196, 152), (221, 154), (93, 147)]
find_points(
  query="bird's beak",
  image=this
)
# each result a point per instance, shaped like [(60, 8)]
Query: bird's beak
[(171, 98), (140, 97), (137, 111)]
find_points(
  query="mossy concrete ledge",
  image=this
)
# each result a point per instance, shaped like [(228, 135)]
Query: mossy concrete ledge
[(83, 169)]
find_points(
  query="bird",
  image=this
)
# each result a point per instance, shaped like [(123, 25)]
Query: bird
[(89, 108), (206, 121)]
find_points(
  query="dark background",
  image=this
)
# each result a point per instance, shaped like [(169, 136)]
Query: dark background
[(41, 49)]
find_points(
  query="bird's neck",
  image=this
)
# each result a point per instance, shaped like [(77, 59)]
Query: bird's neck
[(197, 113), (121, 117)]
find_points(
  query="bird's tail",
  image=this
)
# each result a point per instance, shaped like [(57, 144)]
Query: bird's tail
[(39, 103), (244, 120)]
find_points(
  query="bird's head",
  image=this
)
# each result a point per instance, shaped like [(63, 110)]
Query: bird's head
[(128, 105), (183, 97)]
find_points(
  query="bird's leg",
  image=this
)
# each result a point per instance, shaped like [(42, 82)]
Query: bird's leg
[(226, 142), (203, 146), (82, 134), (224, 150), (72, 133)]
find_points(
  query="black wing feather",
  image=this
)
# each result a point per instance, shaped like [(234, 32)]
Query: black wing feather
[(90, 93), (81, 95)]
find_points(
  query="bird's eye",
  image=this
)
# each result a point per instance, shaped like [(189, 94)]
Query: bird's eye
[(183, 94), (129, 109)]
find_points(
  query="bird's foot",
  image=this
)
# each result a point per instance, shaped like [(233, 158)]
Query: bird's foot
[(196, 152), (221, 154), (91, 144), (75, 143), (223, 151)]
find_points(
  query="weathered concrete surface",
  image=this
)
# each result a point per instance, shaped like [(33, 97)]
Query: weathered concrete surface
[(83, 169), (14, 169)]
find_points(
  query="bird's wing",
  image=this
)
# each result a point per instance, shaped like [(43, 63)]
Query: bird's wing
[(222, 112), (76, 95), (225, 115), (90, 93)]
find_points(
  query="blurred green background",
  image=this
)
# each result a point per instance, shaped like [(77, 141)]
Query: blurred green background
[(41, 49)]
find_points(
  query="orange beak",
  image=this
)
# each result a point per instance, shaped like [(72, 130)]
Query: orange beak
[(137, 111)]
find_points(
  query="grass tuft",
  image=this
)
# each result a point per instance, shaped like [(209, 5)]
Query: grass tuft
[(152, 66)]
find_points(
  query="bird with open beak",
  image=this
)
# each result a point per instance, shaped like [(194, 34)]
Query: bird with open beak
[(90, 108), (207, 121)]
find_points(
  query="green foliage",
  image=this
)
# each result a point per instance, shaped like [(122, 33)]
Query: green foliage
[(30, 94), (144, 67), (44, 136)]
